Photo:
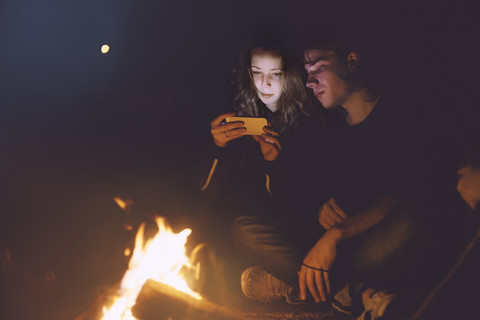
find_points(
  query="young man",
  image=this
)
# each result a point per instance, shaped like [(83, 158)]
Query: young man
[(367, 171)]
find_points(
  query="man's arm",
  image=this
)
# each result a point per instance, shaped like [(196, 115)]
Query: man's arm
[(314, 273), (366, 219)]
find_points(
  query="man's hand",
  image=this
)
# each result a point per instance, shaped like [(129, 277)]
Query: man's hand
[(269, 144), (331, 214), (315, 271), (223, 133), (469, 185)]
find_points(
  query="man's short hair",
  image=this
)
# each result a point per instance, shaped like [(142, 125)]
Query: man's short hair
[(340, 42), (321, 37)]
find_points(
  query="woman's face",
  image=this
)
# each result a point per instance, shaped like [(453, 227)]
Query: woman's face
[(267, 73)]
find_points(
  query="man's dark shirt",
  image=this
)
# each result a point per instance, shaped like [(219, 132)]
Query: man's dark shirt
[(376, 158)]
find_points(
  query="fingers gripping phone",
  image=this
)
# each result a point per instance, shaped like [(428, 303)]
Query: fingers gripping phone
[(254, 125)]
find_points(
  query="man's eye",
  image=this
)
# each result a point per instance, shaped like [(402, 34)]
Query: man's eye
[(320, 69)]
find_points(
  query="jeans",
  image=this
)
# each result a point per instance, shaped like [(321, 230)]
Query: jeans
[(378, 257)]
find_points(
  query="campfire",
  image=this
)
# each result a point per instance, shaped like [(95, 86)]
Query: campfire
[(161, 259), (159, 280)]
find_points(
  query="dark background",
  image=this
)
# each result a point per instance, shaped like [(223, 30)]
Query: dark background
[(78, 127)]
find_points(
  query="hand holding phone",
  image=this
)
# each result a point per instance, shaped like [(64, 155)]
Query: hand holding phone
[(269, 144), (223, 132)]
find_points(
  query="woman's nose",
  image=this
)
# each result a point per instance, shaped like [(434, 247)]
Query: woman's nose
[(266, 81)]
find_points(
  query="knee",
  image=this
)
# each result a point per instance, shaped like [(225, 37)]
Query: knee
[(247, 231), (239, 230), (388, 243)]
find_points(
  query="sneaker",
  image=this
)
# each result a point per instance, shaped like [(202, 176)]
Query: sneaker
[(342, 301), (376, 305), (257, 284), (347, 300)]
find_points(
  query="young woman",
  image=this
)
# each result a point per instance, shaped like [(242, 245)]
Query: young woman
[(267, 87), (243, 166)]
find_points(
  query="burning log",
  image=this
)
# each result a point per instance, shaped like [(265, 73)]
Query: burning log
[(159, 301)]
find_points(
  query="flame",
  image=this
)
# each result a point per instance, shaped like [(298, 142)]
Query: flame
[(161, 259), (121, 203)]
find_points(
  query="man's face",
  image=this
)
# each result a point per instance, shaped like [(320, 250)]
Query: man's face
[(326, 74)]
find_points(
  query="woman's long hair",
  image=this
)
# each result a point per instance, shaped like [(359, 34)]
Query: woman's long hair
[(292, 104)]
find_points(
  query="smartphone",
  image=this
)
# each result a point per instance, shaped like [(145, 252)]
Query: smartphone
[(254, 125)]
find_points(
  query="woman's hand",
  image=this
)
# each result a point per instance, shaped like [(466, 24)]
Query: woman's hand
[(269, 144), (223, 133)]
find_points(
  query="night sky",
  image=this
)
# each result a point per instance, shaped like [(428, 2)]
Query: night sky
[(79, 127)]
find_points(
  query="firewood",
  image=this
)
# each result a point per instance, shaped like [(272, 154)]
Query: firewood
[(159, 301)]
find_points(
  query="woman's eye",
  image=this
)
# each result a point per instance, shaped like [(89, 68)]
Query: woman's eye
[(256, 72), (277, 74)]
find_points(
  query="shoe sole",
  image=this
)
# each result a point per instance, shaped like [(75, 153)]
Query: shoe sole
[(341, 308), (243, 282)]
